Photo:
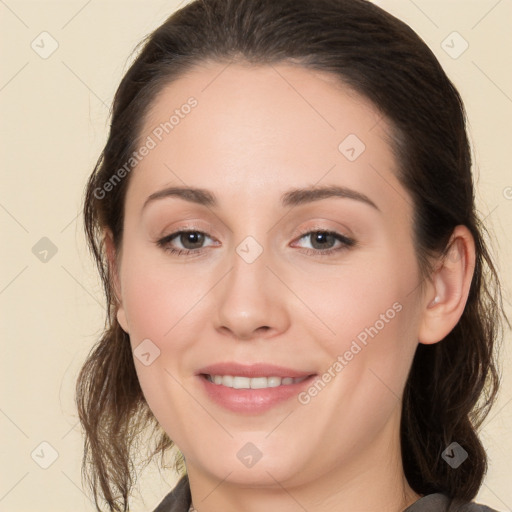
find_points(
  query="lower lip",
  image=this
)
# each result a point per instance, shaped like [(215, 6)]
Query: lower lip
[(252, 400)]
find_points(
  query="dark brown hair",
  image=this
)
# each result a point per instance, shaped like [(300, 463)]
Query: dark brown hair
[(453, 383)]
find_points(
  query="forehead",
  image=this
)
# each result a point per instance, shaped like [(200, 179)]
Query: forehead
[(257, 129)]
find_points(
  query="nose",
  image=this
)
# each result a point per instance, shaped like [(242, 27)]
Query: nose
[(251, 301)]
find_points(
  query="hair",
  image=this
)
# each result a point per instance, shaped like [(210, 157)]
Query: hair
[(451, 384)]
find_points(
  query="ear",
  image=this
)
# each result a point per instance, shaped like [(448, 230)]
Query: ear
[(114, 275), (448, 290)]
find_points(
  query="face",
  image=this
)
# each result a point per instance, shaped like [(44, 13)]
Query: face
[(257, 275)]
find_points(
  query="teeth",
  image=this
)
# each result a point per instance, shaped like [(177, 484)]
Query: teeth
[(238, 382)]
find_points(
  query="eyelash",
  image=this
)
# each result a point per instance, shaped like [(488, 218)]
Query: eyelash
[(347, 243)]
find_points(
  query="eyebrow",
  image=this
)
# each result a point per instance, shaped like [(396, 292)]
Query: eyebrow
[(293, 197)]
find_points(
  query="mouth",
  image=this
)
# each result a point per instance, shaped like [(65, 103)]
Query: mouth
[(252, 395), (241, 382)]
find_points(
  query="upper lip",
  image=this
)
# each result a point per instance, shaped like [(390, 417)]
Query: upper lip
[(252, 370)]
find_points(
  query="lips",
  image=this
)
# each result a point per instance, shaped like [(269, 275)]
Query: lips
[(253, 370), (252, 389)]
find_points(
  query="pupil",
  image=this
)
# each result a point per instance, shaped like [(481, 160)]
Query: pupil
[(321, 236), (193, 238)]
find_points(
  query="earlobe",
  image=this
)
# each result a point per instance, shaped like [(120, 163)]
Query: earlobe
[(448, 292), (114, 276), (121, 318)]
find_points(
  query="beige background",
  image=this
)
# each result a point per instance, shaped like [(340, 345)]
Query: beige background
[(54, 119)]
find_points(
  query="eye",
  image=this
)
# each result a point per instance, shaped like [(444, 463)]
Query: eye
[(323, 242), (191, 241)]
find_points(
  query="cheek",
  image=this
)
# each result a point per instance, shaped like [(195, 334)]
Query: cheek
[(372, 318), (371, 293), (156, 297), (367, 360), (158, 304)]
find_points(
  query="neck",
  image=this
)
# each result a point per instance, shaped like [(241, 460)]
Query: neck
[(373, 482)]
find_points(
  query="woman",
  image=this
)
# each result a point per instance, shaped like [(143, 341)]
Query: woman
[(300, 297)]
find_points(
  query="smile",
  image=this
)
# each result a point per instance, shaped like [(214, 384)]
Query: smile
[(239, 382)]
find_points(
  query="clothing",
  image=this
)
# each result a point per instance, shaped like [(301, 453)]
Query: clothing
[(440, 503), (179, 500)]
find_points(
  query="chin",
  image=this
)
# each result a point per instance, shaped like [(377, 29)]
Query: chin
[(265, 471)]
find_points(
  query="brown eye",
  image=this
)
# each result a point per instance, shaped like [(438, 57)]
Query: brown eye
[(191, 242), (323, 242), (191, 239)]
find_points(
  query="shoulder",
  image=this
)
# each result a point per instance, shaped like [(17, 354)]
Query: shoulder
[(439, 502), (178, 500)]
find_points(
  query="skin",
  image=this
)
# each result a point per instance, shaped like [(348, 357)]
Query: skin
[(257, 132)]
